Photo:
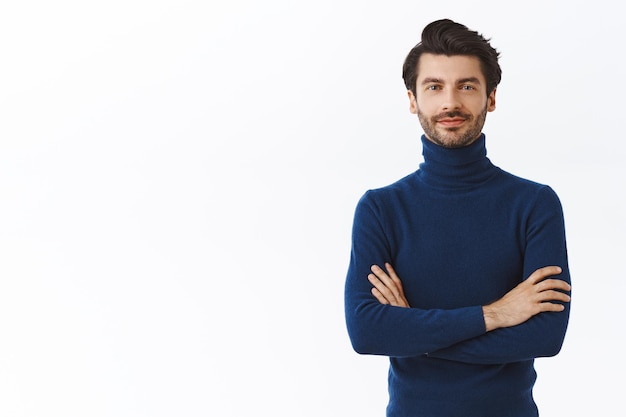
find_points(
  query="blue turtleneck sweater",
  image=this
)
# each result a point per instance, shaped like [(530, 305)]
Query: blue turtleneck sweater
[(460, 232)]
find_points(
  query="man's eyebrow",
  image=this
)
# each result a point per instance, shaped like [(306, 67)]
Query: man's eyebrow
[(430, 80), (434, 80), (473, 80)]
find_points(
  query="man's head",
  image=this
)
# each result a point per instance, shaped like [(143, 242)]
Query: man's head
[(445, 37), (451, 77)]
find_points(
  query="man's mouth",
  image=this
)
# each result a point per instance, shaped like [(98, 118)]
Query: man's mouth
[(451, 121)]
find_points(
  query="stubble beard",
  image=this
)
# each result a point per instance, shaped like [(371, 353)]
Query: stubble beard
[(451, 137)]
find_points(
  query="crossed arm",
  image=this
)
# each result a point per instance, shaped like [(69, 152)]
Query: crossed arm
[(510, 329), (532, 296)]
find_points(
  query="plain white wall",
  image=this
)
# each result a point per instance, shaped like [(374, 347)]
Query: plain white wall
[(178, 178)]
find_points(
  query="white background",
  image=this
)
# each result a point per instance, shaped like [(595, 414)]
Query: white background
[(178, 179)]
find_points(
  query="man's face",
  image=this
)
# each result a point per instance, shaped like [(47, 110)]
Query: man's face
[(451, 99)]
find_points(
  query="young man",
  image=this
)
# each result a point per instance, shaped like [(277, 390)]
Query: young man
[(458, 271)]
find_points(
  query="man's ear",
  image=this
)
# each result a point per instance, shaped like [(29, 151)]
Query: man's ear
[(412, 102), (491, 101)]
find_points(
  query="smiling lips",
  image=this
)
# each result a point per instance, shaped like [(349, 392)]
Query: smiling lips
[(451, 121)]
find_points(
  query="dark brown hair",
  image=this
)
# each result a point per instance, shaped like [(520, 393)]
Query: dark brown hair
[(445, 37)]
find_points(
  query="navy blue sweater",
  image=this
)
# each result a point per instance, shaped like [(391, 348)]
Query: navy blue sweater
[(460, 232)]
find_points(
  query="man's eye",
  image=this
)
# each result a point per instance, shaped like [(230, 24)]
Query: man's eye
[(468, 87), (433, 87)]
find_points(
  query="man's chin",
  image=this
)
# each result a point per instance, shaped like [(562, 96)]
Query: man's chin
[(454, 141), (454, 145)]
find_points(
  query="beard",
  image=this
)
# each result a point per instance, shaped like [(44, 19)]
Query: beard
[(453, 137)]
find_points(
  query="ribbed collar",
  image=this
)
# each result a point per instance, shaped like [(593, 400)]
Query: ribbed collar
[(455, 168)]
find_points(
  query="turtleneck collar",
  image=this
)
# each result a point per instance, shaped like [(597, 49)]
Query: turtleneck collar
[(455, 168)]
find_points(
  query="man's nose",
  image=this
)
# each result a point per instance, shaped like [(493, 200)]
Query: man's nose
[(451, 100)]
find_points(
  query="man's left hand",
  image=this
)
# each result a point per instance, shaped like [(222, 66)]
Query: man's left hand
[(387, 286)]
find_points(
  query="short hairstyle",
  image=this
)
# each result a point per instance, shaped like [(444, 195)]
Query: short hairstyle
[(445, 37)]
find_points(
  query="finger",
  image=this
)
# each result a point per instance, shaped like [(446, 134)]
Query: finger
[(394, 277), (544, 272), (379, 272), (548, 307), (381, 287), (552, 295), (553, 284), (399, 291), (386, 280), (381, 298)]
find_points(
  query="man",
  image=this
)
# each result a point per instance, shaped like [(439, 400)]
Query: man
[(458, 271)]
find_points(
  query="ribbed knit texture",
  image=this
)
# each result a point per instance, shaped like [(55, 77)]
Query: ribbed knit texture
[(461, 233)]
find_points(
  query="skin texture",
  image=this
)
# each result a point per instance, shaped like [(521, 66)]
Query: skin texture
[(452, 103), (451, 99)]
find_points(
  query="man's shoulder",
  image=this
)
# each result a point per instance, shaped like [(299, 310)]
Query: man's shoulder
[(526, 188), (523, 182), (397, 193), (403, 185)]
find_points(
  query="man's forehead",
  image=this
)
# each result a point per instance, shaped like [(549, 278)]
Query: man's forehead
[(449, 67)]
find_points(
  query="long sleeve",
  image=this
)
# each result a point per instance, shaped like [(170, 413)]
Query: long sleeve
[(542, 335), (380, 329), (461, 233)]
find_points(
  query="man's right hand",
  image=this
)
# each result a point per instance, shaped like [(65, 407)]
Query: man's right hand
[(533, 296)]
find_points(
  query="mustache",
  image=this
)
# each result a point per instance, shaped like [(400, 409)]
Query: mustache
[(452, 114)]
